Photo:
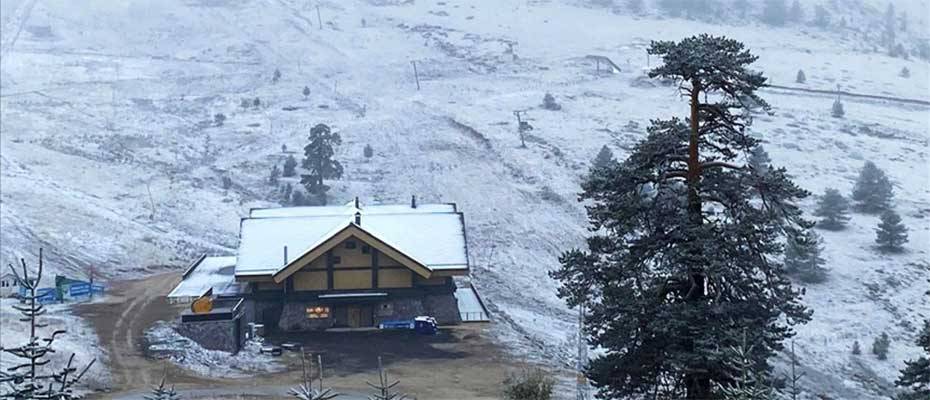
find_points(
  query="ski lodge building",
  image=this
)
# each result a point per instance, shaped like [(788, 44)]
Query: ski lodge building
[(315, 268)]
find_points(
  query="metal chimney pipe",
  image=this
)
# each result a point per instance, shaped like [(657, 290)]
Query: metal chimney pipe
[(413, 201), (356, 202), (285, 255)]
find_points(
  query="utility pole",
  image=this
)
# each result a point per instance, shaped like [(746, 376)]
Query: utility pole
[(319, 20), (581, 382), (416, 75)]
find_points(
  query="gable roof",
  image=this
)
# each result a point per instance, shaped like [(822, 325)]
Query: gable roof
[(206, 273), (430, 236)]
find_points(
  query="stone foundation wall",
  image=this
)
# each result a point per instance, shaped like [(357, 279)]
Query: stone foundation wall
[(443, 307), (214, 335)]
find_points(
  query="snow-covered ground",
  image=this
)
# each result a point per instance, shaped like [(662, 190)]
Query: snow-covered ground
[(109, 156), (163, 339)]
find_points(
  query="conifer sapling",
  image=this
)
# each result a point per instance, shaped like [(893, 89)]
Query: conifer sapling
[(833, 208), (891, 234)]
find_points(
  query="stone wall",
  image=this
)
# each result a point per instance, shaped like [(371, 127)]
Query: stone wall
[(294, 318), (443, 307), (214, 335)]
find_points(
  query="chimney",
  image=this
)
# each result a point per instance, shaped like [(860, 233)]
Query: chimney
[(358, 218), (413, 201), (356, 201), (285, 255)]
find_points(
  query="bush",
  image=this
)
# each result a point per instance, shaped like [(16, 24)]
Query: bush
[(306, 92), (529, 384), (880, 346)]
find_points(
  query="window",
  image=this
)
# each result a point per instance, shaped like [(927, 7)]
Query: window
[(317, 312), (337, 260), (3, 284), (366, 249), (350, 244)]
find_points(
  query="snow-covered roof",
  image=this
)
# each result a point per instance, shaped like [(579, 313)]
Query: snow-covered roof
[(206, 273), (431, 234)]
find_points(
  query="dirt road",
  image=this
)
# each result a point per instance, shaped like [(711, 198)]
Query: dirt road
[(463, 364)]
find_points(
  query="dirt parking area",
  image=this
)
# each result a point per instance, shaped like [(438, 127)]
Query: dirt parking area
[(459, 363)]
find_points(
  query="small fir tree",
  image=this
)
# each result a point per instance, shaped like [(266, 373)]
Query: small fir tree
[(880, 346), (905, 73), (528, 384), (227, 183), (747, 380), (162, 391), (283, 148), (305, 390), (257, 102), (306, 92), (915, 377), (384, 389), (277, 76), (290, 166), (802, 257), (891, 234), (274, 176), (837, 111), (218, 119), (604, 158), (801, 78), (550, 104), (319, 162), (833, 208), (33, 376), (368, 152), (856, 350), (793, 377), (873, 192)]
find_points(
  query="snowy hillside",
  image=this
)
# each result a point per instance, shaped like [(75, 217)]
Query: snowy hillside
[(111, 157)]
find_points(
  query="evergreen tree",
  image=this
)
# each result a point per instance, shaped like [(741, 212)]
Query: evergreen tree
[(775, 12), (837, 110), (856, 350), (801, 78), (277, 76), (802, 257), (256, 103), (384, 389), (275, 174), (915, 377), (747, 380), (298, 198), (33, 376), (796, 14), (319, 163), (218, 119), (604, 159), (794, 379), (905, 73), (283, 148), (667, 281), (880, 346), (306, 92), (833, 208), (163, 392), (549, 103), (305, 390), (872, 193), (891, 234), (290, 166), (368, 152), (821, 16)]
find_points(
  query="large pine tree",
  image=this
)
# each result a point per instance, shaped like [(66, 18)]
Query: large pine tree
[(873, 192), (319, 162), (682, 260), (834, 209)]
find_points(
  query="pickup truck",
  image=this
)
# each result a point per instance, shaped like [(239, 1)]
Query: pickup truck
[(422, 325)]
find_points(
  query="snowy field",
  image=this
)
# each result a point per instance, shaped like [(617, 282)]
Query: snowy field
[(110, 155)]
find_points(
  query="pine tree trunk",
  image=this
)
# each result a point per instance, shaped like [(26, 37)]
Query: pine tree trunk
[(698, 384)]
